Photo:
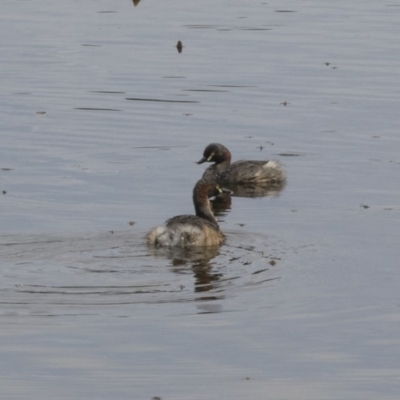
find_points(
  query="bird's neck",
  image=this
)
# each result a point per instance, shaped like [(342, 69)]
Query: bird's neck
[(203, 210)]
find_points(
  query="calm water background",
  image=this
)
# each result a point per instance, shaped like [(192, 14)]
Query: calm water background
[(102, 120)]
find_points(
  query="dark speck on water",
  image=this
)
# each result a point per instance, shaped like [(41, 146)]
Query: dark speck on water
[(290, 154)]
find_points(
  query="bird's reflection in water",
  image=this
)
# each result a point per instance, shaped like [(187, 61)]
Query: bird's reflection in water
[(196, 261), (205, 278), (184, 255), (222, 203), (261, 190), (136, 2)]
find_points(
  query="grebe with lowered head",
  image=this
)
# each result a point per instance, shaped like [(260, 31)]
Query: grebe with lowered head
[(239, 172), (191, 230)]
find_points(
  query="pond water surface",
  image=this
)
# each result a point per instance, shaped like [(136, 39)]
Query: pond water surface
[(102, 122)]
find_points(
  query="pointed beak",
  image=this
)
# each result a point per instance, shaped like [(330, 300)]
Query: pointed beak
[(201, 161), (225, 190)]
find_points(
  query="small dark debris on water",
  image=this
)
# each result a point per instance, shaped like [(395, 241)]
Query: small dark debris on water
[(41, 112), (259, 271), (285, 103), (260, 147), (247, 378), (364, 206), (388, 208), (131, 223), (156, 398), (241, 225), (328, 63), (95, 45), (112, 232), (272, 262), (6, 169), (179, 46), (4, 191)]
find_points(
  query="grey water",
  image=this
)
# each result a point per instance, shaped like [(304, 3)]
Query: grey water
[(103, 117)]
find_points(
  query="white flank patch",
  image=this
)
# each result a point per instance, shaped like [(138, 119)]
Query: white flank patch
[(271, 164)]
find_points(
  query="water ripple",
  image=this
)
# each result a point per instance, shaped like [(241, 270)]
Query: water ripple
[(54, 275)]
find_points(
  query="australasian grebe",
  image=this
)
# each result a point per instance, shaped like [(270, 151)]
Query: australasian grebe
[(191, 230), (239, 172)]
